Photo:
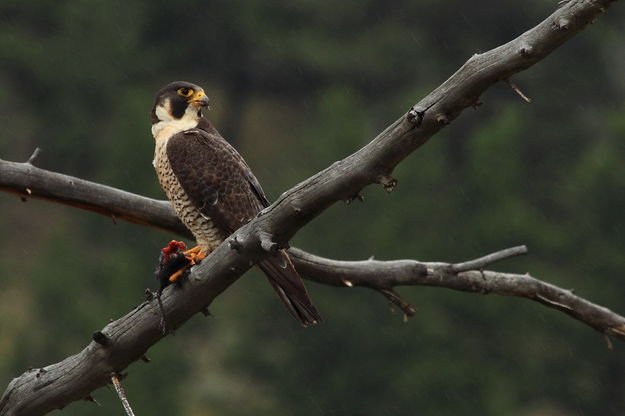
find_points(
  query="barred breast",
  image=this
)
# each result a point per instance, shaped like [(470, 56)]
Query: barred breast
[(207, 236)]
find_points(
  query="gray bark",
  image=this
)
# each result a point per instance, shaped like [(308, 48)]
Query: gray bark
[(125, 340)]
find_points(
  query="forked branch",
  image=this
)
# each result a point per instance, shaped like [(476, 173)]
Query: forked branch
[(127, 339), (384, 276)]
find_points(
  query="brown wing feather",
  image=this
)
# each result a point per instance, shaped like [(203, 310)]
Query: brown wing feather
[(222, 187), (289, 287), (215, 178)]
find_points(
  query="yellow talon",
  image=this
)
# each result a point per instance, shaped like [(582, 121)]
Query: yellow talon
[(174, 277), (194, 250), (194, 255)]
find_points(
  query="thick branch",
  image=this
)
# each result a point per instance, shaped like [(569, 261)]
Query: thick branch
[(126, 340), (121, 342), (376, 275), (28, 181)]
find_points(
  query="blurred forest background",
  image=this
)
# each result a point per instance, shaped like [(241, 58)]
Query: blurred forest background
[(295, 86)]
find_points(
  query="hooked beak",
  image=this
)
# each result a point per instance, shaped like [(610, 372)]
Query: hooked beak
[(199, 99)]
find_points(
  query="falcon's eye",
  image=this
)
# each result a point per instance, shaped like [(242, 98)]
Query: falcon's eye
[(185, 92)]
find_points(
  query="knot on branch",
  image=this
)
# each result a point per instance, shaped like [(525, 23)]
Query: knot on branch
[(267, 243), (420, 269), (235, 244), (526, 51), (562, 23), (388, 182), (415, 116), (254, 242), (442, 119), (101, 338)]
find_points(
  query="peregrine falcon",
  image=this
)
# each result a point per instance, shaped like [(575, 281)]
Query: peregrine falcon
[(212, 189)]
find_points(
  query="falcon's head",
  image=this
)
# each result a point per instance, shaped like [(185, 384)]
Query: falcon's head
[(179, 101)]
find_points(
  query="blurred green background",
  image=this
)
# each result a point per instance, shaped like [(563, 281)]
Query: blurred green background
[(295, 86)]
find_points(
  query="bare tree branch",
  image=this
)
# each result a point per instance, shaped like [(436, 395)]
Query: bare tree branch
[(127, 339), (381, 276), (489, 259), (122, 395), (28, 181), (385, 275)]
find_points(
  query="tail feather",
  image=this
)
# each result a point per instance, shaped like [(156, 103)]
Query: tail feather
[(289, 287)]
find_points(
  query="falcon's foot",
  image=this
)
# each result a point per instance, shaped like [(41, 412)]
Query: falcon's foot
[(193, 256), (173, 266)]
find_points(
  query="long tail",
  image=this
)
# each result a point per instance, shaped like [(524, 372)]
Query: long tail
[(289, 287)]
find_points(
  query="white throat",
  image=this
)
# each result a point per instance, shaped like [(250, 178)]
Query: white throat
[(168, 126)]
